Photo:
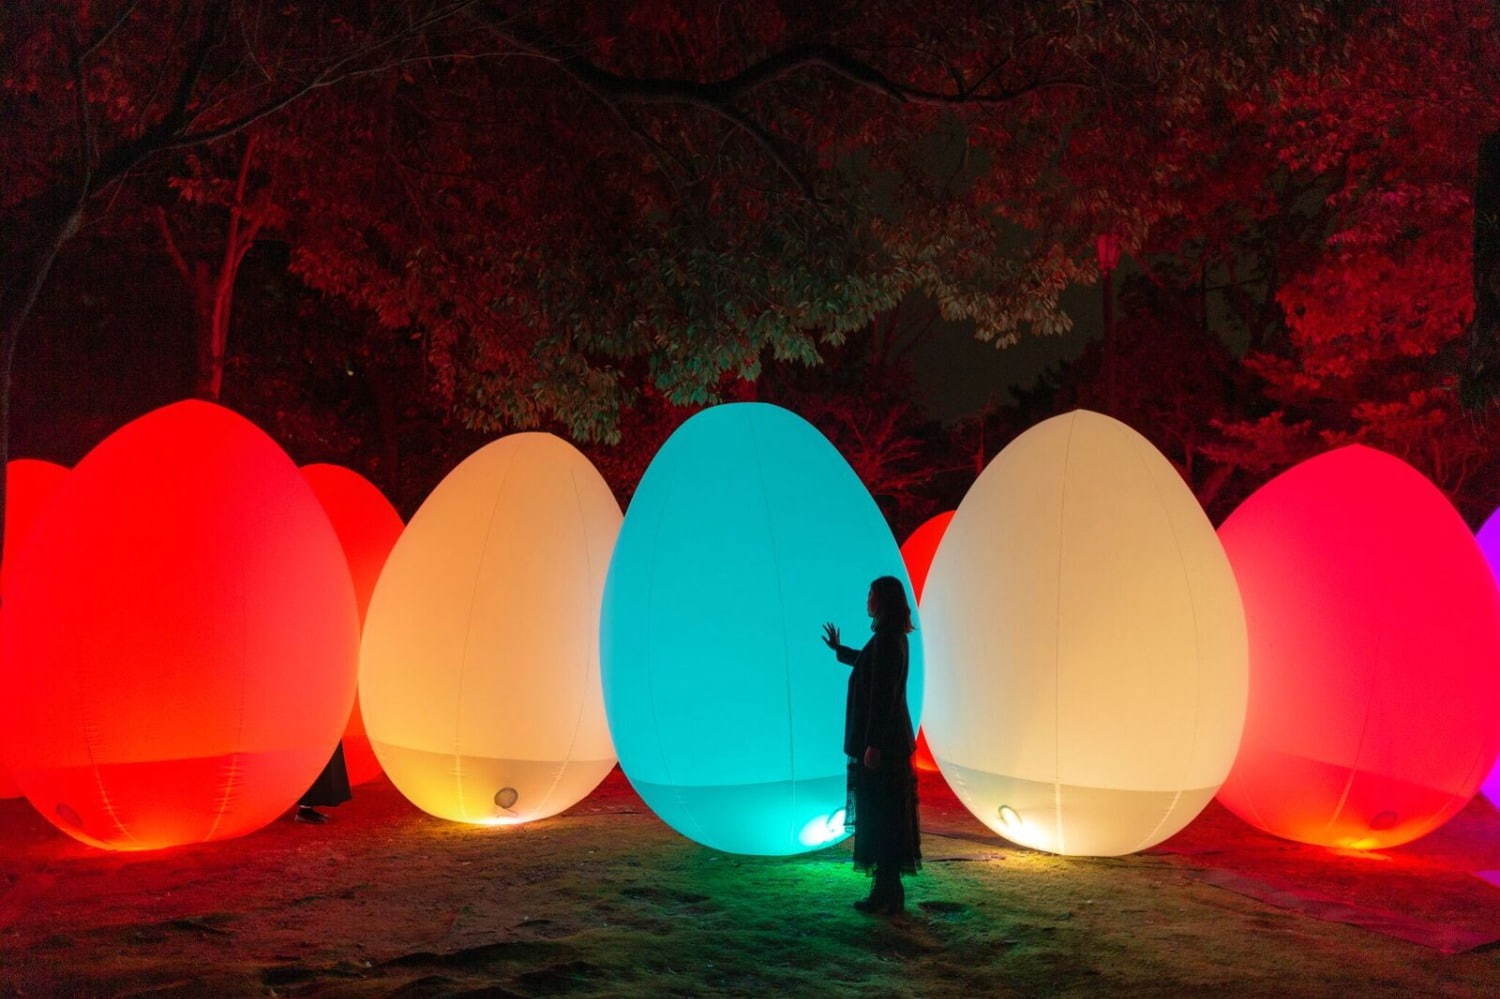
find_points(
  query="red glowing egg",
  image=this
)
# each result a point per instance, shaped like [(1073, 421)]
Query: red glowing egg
[(180, 637), (1374, 628), (367, 526), (917, 553), (28, 487)]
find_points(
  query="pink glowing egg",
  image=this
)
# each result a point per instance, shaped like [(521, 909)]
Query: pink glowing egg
[(28, 487), (1374, 629), (367, 526), (180, 637)]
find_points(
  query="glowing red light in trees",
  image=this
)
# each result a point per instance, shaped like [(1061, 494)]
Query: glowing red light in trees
[(28, 486), (367, 526), (1108, 245), (1374, 631), (180, 637), (917, 553)]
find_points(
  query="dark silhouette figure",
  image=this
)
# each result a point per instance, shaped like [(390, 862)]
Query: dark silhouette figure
[(331, 788), (878, 741)]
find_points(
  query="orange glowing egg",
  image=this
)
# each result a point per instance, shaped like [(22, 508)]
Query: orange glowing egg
[(367, 526), (1374, 704), (917, 553), (180, 637), (479, 665), (28, 487)]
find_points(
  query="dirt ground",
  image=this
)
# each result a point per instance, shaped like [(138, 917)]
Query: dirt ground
[(607, 901)]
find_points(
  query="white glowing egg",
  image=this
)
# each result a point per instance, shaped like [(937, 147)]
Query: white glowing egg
[(479, 667), (1087, 662)]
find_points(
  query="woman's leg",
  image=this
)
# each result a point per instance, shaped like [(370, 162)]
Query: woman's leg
[(889, 894)]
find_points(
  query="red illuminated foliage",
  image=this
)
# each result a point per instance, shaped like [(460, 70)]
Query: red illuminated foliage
[(599, 217), (1374, 296)]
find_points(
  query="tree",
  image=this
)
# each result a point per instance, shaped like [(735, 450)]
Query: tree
[(209, 272), (1482, 378), (1377, 301), (716, 194), (92, 91)]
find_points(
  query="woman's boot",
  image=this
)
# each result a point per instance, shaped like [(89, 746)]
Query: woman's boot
[(895, 898)]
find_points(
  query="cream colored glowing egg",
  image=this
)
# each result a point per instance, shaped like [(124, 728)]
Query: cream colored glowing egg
[(1087, 660), (479, 668)]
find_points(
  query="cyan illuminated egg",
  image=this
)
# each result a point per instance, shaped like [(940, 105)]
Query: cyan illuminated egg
[(1085, 642), (479, 669), (747, 532), (1374, 641), (180, 637)]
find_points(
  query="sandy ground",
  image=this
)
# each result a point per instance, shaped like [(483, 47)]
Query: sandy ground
[(607, 901)]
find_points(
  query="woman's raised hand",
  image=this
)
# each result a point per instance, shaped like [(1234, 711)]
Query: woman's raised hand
[(831, 636)]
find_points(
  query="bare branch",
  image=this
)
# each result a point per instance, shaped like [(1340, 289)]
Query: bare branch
[(85, 127), (173, 250), (668, 90), (177, 115), (722, 97), (335, 72), (772, 147), (109, 30)]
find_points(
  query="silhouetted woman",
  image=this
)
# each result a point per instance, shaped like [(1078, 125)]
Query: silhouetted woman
[(878, 740)]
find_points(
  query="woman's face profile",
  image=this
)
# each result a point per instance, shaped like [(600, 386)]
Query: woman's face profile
[(870, 602)]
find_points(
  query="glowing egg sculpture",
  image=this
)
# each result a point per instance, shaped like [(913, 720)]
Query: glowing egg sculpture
[(1374, 642), (747, 532), (180, 637), (917, 553), (29, 485), (1086, 646), (479, 671), (367, 526), (1489, 543)]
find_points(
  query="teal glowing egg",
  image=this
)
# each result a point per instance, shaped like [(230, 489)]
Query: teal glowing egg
[(747, 532)]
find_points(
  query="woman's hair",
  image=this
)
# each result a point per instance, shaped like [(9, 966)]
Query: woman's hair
[(891, 608)]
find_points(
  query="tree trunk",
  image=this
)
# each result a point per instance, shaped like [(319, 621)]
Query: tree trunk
[(389, 420), (1480, 385), (1111, 346), (24, 277), (213, 334), (218, 290)]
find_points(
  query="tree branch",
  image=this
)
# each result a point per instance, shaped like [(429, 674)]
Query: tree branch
[(772, 147), (669, 90), (109, 30), (173, 251), (722, 97), (178, 116), (335, 72)]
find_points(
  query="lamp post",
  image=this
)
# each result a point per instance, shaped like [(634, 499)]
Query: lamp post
[(1107, 245)]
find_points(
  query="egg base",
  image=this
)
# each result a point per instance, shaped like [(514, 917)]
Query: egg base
[(1073, 819), (1331, 804), (771, 819), (488, 790)]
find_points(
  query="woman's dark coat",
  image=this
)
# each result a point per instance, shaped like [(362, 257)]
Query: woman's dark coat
[(876, 713), (882, 802)]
